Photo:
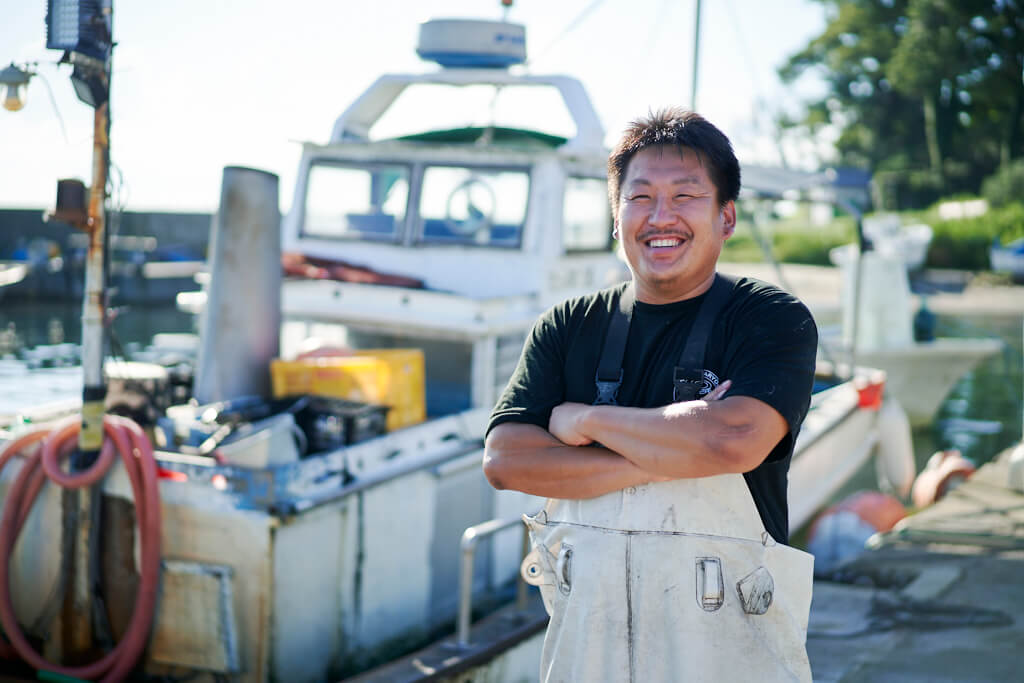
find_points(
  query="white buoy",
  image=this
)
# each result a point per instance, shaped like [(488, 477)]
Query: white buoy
[(894, 456)]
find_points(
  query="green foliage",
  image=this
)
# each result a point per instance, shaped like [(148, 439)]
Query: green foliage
[(792, 241), (915, 84), (1005, 185), (961, 244), (903, 189), (965, 243), (742, 248), (811, 245)]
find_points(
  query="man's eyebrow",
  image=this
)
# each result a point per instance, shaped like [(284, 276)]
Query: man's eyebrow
[(683, 180)]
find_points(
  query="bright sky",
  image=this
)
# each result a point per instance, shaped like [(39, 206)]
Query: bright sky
[(203, 84)]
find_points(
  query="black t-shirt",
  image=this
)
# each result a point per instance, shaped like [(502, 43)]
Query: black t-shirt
[(763, 339)]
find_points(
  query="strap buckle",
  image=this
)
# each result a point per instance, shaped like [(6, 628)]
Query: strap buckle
[(686, 384), (607, 390)]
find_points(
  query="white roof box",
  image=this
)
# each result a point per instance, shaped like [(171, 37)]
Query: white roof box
[(472, 43)]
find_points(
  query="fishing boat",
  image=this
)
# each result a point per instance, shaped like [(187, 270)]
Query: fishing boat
[(884, 322), (881, 328), (141, 270), (1008, 258), (429, 255), (11, 273)]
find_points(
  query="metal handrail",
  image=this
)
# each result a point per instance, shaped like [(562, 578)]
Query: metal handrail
[(470, 538)]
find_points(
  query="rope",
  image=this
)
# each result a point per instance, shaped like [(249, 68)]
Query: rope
[(124, 438)]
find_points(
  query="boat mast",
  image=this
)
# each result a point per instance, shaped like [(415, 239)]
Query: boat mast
[(696, 57)]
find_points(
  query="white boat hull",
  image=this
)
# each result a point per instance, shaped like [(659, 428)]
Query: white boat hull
[(921, 375)]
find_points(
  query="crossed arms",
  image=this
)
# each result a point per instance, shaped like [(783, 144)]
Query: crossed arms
[(682, 440)]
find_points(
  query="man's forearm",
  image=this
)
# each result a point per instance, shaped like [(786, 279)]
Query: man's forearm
[(682, 440), (527, 458)]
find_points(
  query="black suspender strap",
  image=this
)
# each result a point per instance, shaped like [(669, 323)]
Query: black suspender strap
[(688, 376), (609, 369)]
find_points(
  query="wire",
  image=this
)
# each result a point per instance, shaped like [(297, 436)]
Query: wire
[(760, 101), (569, 28), (60, 119)]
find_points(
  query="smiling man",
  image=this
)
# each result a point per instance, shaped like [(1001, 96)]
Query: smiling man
[(658, 417)]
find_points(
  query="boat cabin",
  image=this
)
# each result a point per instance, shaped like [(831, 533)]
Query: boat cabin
[(498, 222)]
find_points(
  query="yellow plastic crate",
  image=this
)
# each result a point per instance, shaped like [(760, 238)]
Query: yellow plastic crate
[(391, 377)]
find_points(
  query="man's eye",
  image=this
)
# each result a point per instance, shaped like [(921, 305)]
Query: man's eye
[(639, 196)]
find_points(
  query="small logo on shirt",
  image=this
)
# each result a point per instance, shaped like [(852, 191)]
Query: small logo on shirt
[(710, 381)]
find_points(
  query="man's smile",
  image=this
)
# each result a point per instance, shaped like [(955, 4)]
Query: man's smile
[(664, 242)]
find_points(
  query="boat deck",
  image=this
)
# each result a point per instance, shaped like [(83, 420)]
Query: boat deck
[(939, 600)]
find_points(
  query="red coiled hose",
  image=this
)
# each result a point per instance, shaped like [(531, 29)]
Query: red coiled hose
[(127, 439)]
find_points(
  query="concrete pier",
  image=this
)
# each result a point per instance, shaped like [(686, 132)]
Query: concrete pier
[(941, 598)]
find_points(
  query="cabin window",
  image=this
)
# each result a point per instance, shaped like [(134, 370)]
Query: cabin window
[(356, 202), (473, 206), (586, 218)]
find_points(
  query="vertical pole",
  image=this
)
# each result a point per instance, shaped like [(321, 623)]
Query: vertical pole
[(696, 58), (94, 305), (77, 631)]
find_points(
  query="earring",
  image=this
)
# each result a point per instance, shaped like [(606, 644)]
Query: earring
[(615, 233)]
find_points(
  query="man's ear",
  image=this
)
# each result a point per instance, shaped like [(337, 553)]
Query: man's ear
[(728, 219)]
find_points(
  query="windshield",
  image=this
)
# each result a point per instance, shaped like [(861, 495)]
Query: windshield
[(457, 205), (465, 205), (350, 201)]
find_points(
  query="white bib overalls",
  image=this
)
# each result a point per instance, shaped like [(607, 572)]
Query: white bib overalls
[(671, 581)]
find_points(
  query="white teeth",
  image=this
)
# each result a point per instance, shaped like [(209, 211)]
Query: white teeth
[(663, 243)]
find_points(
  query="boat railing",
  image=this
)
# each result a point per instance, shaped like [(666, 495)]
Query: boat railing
[(471, 537)]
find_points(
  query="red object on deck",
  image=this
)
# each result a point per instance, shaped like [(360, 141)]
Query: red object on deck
[(878, 510), (870, 390)]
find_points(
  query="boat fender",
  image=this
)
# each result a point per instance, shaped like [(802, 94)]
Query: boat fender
[(840, 533), (1016, 474), (944, 471), (894, 455)]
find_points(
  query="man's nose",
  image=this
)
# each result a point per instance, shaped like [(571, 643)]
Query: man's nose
[(662, 213)]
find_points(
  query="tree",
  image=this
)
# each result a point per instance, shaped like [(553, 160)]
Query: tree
[(930, 89)]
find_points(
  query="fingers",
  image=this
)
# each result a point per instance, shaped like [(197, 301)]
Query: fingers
[(719, 391)]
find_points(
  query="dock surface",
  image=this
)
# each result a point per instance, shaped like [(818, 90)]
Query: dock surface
[(940, 599)]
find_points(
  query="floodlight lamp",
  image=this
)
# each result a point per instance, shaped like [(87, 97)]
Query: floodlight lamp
[(77, 26), (13, 81)]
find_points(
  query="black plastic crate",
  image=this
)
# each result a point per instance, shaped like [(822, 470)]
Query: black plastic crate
[(330, 423)]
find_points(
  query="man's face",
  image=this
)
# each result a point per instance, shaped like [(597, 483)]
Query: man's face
[(670, 224)]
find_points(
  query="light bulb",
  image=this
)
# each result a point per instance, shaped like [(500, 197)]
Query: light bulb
[(14, 100)]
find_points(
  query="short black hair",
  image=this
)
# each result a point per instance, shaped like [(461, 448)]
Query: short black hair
[(677, 127)]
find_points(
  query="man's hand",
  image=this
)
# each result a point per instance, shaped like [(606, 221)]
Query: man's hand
[(564, 424), (718, 392)]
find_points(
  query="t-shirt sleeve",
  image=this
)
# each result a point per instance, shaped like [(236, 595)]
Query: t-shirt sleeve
[(538, 383), (772, 359)]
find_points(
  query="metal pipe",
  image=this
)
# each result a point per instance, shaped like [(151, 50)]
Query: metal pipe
[(241, 325), (470, 538), (696, 57), (522, 590), (862, 246), (94, 302)]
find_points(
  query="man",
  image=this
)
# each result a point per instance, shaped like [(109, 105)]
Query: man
[(659, 417)]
